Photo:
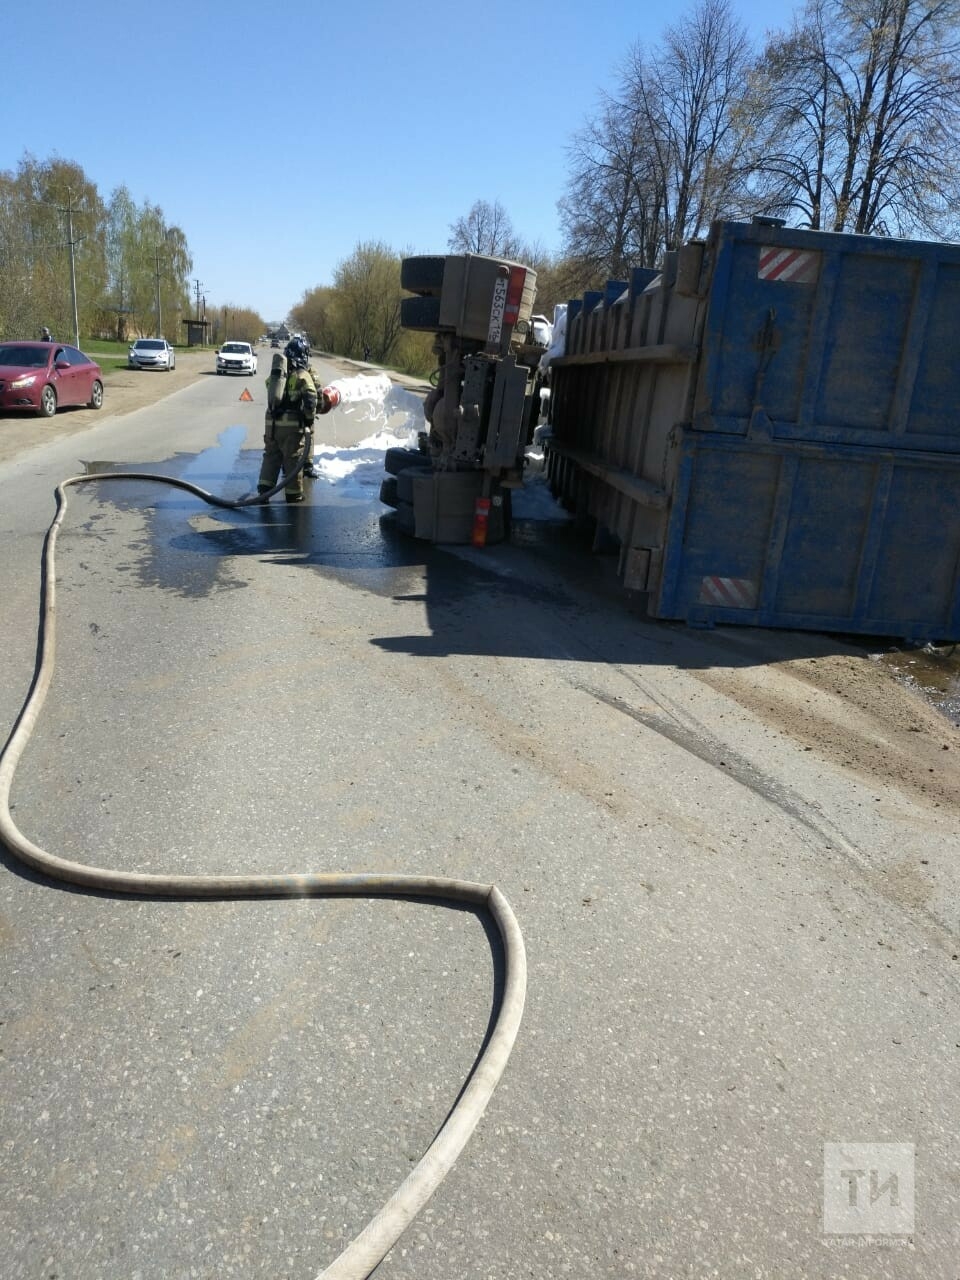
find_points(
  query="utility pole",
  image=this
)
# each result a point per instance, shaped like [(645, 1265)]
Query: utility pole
[(165, 235), (121, 309), (73, 270), (71, 243), (159, 313)]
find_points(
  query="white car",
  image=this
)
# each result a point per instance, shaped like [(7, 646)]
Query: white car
[(541, 330), (151, 353), (236, 357)]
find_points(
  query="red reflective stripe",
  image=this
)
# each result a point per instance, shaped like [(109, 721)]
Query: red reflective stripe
[(799, 265), (733, 593), (518, 276), (776, 264)]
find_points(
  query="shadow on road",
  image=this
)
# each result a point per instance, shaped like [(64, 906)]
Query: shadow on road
[(550, 597)]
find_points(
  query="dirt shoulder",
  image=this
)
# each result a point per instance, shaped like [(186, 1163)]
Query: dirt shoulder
[(123, 392), (852, 711)]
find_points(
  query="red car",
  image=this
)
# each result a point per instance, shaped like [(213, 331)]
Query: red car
[(42, 376)]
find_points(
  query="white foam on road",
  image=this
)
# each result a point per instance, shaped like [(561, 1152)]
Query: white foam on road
[(396, 416)]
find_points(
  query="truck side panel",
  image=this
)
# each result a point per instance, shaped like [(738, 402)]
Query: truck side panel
[(769, 430), (833, 337), (827, 537)]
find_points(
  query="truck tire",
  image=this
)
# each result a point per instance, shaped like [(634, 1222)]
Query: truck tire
[(422, 275), (421, 313), (388, 491), (398, 459), (406, 521)]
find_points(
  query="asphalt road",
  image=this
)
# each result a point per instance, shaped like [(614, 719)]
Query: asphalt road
[(721, 982)]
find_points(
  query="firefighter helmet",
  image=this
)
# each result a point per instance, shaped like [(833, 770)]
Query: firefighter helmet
[(297, 353)]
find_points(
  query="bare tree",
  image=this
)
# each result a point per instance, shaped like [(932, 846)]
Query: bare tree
[(687, 100), (863, 124), (789, 118), (612, 214), (666, 154), (486, 229)]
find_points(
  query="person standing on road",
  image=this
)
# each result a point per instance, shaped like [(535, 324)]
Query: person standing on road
[(324, 404), (289, 422), (46, 335)]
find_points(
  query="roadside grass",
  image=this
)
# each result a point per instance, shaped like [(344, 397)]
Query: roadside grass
[(110, 346), (111, 355), (105, 345)]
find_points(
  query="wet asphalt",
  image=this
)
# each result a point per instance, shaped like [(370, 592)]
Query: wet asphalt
[(718, 983)]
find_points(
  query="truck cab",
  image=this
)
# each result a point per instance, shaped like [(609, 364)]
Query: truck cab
[(484, 405)]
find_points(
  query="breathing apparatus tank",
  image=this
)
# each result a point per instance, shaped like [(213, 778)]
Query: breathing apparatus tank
[(277, 381)]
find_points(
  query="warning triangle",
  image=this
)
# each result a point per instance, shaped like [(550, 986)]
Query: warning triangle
[(246, 395)]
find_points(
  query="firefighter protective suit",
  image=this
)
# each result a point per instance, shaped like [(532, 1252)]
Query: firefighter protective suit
[(284, 435)]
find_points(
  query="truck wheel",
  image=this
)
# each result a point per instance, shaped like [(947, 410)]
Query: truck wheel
[(421, 313), (398, 459), (422, 275), (406, 520), (388, 491)]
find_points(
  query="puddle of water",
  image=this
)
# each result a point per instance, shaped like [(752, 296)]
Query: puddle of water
[(933, 670)]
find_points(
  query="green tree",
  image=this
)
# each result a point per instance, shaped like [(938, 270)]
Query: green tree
[(47, 209), (230, 322), (121, 237), (314, 315), (360, 309), (368, 300), (157, 261), (18, 316), (126, 261)]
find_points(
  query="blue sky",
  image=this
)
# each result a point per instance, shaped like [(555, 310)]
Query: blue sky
[(280, 136)]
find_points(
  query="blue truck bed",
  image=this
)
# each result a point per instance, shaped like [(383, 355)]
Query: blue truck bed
[(770, 429)]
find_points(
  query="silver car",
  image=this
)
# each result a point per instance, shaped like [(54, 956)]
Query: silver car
[(152, 353)]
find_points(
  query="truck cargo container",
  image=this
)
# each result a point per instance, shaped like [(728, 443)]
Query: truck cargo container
[(768, 430)]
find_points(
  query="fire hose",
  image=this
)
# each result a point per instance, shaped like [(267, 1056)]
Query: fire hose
[(368, 1248)]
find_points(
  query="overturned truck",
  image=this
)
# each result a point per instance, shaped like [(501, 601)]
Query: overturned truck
[(767, 431), (484, 404)]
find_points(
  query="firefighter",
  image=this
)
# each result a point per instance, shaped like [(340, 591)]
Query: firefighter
[(289, 423)]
